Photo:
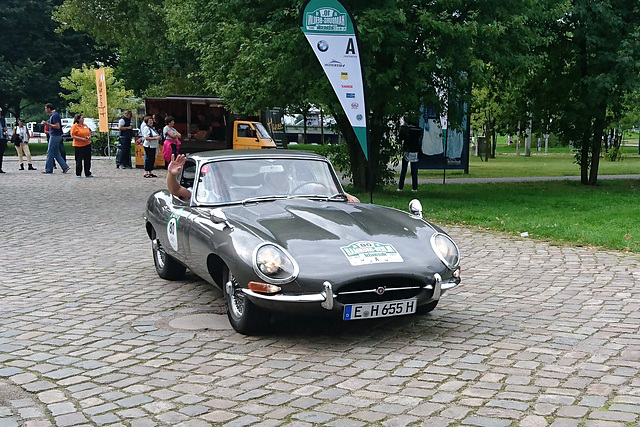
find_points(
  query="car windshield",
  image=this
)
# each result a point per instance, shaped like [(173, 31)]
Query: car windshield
[(235, 181)]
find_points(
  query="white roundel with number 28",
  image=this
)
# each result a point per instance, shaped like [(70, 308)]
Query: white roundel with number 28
[(172, 233)]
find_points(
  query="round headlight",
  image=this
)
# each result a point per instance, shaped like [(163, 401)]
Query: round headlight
[(446, 250), (273, 264)]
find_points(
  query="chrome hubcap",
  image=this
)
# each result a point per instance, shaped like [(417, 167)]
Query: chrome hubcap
[(236, 297), (159, 252)]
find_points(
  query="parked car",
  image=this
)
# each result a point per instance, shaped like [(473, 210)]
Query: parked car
[(273, 229)]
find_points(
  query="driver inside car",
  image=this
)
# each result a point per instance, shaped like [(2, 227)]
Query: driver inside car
[(173, 186)]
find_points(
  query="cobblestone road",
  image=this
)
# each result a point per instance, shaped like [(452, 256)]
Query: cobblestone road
[(537, 335)]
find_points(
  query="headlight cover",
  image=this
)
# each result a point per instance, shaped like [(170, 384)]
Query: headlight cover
[(273, 264), (446, 250)]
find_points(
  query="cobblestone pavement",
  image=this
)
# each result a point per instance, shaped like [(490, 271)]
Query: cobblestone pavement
[(537, 335)]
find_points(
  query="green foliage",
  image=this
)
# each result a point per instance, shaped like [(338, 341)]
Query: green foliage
[(35, 55), (135, 32), (82, 95), (591, 62)]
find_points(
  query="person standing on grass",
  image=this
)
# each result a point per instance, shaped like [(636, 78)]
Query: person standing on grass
[(21, 141), (126, 135), (3, 138), (150, 144), (81, 135), (411, 138), (55, 140)]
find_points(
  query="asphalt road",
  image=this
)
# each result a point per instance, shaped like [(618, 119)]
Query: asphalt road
[(536, 335)]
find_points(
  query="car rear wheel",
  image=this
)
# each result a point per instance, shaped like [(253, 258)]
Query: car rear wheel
[(243, 315), (427, 308), (166, 266)]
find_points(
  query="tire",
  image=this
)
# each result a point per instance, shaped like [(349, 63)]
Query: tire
[(244, 316), (427, 308), (166, 266), (109, 150)]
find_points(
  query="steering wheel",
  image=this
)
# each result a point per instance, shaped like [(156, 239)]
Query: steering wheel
[(325, 188)]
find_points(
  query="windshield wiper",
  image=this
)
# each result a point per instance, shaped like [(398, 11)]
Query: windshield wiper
[(334, 198), (262, 199)]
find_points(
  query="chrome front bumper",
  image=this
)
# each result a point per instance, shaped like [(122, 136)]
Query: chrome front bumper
[(326, 297)]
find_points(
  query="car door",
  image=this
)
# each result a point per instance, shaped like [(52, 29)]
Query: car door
[(179, 222)]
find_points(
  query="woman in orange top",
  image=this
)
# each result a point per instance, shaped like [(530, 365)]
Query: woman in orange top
[(81, 135)]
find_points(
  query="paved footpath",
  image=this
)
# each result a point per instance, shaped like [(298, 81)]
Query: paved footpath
[(537, 335)]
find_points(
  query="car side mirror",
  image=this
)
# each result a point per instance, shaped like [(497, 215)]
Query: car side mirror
[(218, 217), (415, 207)]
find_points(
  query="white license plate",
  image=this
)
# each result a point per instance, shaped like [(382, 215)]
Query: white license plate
[(379, 309)]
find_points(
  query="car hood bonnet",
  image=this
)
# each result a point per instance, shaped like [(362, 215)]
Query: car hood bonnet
[(296, 223)]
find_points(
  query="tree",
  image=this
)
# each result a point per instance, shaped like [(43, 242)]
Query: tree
[(592, 61), (35, 56), (83, 97), (253, 54), (135, 34)]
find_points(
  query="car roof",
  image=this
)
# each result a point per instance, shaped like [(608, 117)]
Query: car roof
[(205, 156)]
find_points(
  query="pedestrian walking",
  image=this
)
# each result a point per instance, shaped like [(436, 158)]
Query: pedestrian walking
[(55, 140), (150, 144), (123, 159), (20, 139), (81, 135)]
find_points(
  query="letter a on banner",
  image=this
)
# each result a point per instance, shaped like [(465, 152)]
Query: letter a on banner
[(331, 32), (101, 89)]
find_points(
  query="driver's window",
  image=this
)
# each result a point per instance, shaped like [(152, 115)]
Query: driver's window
[(244, 130)]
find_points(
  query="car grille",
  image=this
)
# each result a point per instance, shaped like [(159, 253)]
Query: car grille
[(366, 290)]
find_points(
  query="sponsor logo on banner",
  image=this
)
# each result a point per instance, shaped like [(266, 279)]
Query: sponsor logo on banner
[(344, 76), (355, 105), (350, 51), (351, 95), (347, 86), (334, 63), (326, 19), (323, 46), (359, 117)]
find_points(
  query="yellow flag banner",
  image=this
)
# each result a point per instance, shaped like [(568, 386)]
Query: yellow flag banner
[(101, 88)]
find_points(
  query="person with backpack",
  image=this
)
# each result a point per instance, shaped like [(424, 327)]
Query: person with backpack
[(20, 139), (172, 137)]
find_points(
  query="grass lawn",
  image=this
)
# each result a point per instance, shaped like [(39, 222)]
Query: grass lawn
[(558, 162), (562, 212), (536, 165)]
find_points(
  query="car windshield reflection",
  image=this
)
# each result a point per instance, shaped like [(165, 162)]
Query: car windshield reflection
[(254, 180)]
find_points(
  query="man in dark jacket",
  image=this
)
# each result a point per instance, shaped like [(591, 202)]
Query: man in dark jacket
[(411, 139), (123, 159)]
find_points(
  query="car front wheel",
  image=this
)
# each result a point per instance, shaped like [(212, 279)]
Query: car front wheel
[(166, 267), (244, 316)]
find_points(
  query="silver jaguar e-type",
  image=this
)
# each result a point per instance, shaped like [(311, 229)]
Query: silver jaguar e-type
[(275, 231)]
